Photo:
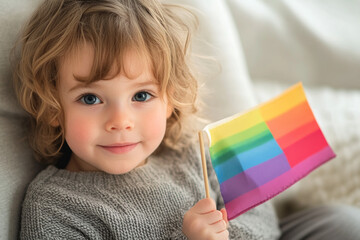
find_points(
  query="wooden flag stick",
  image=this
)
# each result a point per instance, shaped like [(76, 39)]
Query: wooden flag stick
[(203, 160)]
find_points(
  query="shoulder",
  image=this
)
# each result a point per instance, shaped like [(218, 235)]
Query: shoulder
[(55, 191), (45, 184), (37, 185), (44, 205), (48, 192)]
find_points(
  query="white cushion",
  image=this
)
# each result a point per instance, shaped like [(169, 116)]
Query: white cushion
[(227, 87), (17, 167), (309, 40)]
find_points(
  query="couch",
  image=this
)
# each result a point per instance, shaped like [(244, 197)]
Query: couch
[(261, 47)]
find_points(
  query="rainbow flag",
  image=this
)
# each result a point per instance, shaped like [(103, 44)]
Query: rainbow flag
[(258, 154)]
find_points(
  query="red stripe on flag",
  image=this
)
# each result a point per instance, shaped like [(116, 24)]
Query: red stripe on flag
[(305, 147), (297, 134)]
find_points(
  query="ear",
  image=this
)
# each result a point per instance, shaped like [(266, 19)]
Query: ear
[(55, 123), (54, 117), (169, 110)]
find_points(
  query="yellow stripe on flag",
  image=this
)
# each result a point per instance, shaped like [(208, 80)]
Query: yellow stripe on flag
[(223, 129), (286, 101)]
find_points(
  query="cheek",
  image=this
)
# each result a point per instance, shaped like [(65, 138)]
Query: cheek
[(78, 131), (155, 123)]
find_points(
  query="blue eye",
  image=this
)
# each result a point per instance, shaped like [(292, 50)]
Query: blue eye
[(90, 99), (141, 97)]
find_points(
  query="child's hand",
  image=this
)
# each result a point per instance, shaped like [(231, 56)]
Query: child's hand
[(203, 221)]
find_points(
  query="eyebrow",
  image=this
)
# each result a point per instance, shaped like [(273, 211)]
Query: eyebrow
[(80, 84), (147, 83)]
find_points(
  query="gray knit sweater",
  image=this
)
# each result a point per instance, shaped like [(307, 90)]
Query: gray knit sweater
[(149, 202)]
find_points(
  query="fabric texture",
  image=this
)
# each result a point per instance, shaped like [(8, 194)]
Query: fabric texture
[(309, 41), (330, 222), (219, 63), (146, 203), (17, 166)]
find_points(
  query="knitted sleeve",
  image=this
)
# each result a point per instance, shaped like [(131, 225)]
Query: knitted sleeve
[(45, 222), (49, 212)]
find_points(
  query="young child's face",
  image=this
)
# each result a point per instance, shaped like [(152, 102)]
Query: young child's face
[(111, 125)]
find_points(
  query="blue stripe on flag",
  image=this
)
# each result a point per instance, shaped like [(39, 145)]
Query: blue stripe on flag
[(247, 159)]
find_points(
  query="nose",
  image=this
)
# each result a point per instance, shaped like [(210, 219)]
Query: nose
[(119, 118)]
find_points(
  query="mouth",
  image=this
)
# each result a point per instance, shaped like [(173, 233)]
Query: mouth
[(120, 148)]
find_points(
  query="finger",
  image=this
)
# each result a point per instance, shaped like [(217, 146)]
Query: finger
[(219, 226), (224, 214), (213, 217), (223, 211), (224, 235), (204, 206)]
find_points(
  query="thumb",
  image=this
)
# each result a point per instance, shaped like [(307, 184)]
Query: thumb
[(205, 205)]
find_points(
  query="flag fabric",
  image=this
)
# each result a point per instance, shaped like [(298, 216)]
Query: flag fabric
[(260, 153)]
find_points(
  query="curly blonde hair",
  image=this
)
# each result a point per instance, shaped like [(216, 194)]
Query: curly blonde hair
[(110, 26)]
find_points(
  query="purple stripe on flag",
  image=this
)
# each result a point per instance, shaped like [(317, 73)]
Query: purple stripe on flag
[(279, 184), (254, 177), (248, 159)]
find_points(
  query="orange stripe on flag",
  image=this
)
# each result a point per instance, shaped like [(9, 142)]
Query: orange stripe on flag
[(297, 134), (291, 120)]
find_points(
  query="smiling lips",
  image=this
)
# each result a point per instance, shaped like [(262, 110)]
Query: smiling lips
[(120, 148)]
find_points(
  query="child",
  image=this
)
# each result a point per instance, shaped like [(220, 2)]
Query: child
[(108, 83)]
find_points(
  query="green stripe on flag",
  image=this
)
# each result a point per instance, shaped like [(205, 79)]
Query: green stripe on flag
[(240, 142)]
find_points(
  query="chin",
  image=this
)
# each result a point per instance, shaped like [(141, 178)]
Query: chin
[(116, 171)]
